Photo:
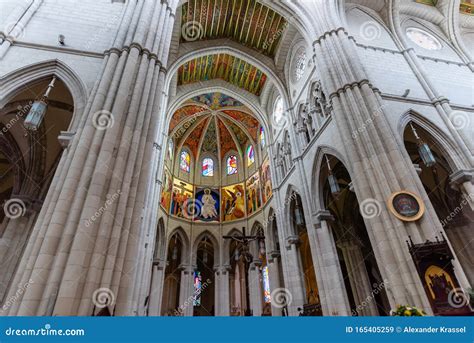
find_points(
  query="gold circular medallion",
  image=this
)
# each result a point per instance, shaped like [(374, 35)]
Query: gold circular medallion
[(406, 206)]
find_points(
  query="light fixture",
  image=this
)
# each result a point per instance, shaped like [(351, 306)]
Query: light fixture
[(333, 184), (424, 150), (174, 255), (38, 110), (298, 214), (236, 254)]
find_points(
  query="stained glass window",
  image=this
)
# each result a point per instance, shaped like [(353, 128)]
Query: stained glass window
[(266, 285), (185, 161), (423, 39), (197, 289), (262, 137), (208, 167), (250, 156), (231, 165)]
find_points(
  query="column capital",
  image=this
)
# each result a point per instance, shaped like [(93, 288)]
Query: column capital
[(461, 176), (292, 240), (323, 215)]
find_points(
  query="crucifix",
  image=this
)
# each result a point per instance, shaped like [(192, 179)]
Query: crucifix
[(243, 249)]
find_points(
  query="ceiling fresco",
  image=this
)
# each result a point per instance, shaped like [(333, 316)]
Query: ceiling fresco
[(225, 67), (247, 22), (215, 130)]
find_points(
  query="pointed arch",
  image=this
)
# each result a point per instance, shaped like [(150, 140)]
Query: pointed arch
[(17, 80), (451, 152), (209, 235), (184, 240)]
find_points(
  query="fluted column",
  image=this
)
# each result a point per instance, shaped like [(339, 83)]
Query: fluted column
[(294, 276), (223, 291), (255, 290), (106, 170), (274, 278), (333, 296), (186, 291), (156, 288)]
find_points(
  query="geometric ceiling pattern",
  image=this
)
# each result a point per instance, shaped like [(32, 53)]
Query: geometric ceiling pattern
[(245, 21), (214, 123), (225, 67)]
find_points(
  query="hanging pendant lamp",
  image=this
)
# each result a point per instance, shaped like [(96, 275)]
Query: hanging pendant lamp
[(38, 110)]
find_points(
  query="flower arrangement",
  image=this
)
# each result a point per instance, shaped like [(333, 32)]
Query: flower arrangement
[(407, 311)]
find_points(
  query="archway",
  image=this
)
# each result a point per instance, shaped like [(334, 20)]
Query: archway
[(444, 190), (362, 278), (312, 304), (204, 279), (30, 153), (170, 305)]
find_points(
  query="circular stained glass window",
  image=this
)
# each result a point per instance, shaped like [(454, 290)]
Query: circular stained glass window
[(299, 65), (423, 39)]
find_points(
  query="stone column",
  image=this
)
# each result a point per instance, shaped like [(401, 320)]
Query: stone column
[(274, 276), (73, 252), (358, 278), (224, 292), (156, 289), (255, 288), (333, 295), (293, 280), (463, 181), (186, 291)]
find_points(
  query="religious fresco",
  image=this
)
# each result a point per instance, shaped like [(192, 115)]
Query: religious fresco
[(166, 190), (192, 141), (227, 143), (467, 7), (181, 198), (249, 122), (439, 282), (254, 199), (225, 67), (266, 180), (217, 100), (233, 202), (240, 135), (184, 112), (259, 32), (207, 204), (209, 143)]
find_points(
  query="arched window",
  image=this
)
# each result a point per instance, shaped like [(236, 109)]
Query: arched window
[(262, 136), (208, 167), (185, 161), (250, 155), (231, 165)]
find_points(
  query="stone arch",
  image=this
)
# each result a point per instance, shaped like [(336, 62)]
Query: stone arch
[(207, 234), (451, 153), (184, 239), (160, 241), (16, 81), (316, 187)]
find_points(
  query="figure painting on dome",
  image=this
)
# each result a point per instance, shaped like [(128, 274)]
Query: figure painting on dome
[(233, 202), (254, 198), (266, 181), (166, 191), (207, 205), (180, 199)]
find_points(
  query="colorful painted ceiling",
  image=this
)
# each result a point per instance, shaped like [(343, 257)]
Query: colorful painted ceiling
[(224, 67), (213, 123), (245, 21), (467, 7)]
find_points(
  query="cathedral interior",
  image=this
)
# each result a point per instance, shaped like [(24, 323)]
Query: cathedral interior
[(236, 158)]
